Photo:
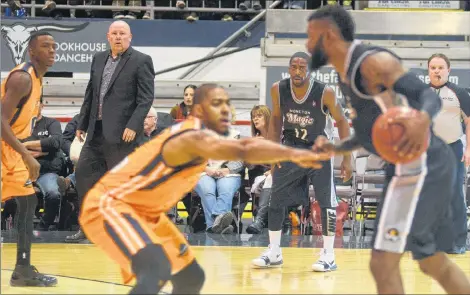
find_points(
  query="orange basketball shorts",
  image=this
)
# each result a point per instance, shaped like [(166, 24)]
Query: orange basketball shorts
[(121, 232), (15, 175)]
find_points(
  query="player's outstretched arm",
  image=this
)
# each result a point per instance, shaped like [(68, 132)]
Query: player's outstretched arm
[(204, 145), (344, 147)]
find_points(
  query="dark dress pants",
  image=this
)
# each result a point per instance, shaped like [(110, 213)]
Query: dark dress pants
[(96, 158)]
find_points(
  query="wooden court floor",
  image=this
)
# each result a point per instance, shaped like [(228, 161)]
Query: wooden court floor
[(83, 269)]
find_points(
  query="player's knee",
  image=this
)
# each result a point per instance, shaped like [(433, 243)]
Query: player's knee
[(190, 280), (328, 217), (435, 266), (151, 263), (383, 265)]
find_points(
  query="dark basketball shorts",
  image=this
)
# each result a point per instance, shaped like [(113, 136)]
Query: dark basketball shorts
[(291, 184), (415, 213)]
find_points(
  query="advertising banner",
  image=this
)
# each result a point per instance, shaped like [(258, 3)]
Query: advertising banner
[(77, 42), (329, 76), (414, 4)]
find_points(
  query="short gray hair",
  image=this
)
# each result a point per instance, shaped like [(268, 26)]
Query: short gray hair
[(152, 112)]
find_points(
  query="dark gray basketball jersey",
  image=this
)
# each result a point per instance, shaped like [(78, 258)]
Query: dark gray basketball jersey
[(304, 118), (364, 105)]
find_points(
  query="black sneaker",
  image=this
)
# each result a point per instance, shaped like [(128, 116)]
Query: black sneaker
[(29, 276)]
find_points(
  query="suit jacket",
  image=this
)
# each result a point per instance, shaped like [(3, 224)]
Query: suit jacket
[(127, 101)]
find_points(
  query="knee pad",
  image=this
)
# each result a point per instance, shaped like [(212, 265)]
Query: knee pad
[(190, 280), (328, 221)]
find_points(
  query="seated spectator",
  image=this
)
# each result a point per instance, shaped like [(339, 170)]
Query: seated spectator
[(216, 188), (72, 148), (182, 110), (68, 136), (49, 5), (247, 4), (150, 125), (132, 13), (45, 144), (260, 175), (210, 15), (155, 123)]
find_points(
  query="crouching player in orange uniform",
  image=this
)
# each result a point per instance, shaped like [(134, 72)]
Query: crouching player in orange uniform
[(125, 212)]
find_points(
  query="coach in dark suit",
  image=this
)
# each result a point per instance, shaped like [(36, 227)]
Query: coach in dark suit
[(117, 99)]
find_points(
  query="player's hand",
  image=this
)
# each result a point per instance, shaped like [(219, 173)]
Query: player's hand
[(80, 134), (37, 154), (309, 159), (323, 145), (128, 135), (415, 133), (346, 170), (33, 166)]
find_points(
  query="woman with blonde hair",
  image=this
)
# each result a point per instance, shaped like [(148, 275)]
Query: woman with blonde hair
[(259, 176), (260, 115)]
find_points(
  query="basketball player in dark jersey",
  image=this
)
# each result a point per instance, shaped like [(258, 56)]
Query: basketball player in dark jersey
[(301, 107), (415, 212)]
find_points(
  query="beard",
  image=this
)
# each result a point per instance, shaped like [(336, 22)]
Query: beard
[(318, 57)]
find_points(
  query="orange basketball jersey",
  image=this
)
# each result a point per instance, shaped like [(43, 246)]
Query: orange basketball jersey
[(24, 117), (145, 182)]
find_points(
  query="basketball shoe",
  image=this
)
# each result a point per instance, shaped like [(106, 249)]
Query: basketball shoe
[(272, 257), (325, 263)]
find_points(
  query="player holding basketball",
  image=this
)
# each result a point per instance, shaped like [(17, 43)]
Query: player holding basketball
[(125, 212), (21, 94), (301, 106), (417, 195)]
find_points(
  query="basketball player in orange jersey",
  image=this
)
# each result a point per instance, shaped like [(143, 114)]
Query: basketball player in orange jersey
[(21, 95), (125, 212)]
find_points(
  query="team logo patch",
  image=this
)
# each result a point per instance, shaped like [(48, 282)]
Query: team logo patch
[(392, 235), (314, 104), (183, 250), (28, 183)]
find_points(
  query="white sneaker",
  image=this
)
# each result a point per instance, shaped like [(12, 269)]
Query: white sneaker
[(325, 263), (272, 257)]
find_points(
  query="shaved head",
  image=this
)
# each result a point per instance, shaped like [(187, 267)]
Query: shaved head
[(120, 24), (119, 37)]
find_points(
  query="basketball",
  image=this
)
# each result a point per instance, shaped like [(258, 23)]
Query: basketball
[(386, 135)]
